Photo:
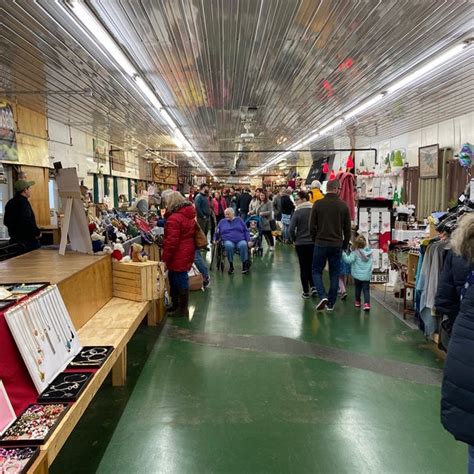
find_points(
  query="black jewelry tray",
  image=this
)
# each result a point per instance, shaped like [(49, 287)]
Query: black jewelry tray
[(12, 300), (83, 361), (32, 442), (31, 460), (66, 387)]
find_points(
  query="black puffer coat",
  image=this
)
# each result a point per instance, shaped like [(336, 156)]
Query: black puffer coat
[(457, 404)]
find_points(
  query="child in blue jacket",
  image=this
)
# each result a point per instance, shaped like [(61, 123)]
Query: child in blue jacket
[(360, 260)]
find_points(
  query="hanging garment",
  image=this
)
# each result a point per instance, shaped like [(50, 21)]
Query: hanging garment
[(347, 192)]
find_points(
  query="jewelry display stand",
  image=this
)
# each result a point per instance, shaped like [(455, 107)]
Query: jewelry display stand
[(66, 387), (17, 460), (35, 425), (91, 357), (44, 334)]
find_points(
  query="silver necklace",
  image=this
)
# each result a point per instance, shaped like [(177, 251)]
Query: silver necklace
[(91, 356)]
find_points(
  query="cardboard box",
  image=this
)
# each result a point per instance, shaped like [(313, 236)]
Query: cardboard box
[(412, 265), (136, 281)]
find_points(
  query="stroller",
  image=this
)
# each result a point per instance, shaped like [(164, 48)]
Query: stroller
[(255, 223)]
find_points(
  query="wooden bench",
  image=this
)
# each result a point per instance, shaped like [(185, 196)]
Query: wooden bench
[(114, 325)]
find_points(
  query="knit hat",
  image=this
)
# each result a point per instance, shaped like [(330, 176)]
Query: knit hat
[(316, 184), (22, 184)]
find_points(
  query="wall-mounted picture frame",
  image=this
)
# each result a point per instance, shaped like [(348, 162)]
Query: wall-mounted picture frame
[(428, 161)]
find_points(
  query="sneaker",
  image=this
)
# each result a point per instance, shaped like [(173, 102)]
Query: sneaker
[(245, 267), (367, 307), (343, 296), (231, 269), (314, 292), (329, 308), (322, 304), (357, 304), (271, 248), (206, 282), (305, 295)]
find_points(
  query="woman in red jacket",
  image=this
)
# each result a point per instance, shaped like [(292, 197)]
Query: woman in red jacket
[(220, 205), (179, 248)]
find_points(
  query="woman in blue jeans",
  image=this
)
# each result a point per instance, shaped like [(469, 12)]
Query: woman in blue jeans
[(234, 234)]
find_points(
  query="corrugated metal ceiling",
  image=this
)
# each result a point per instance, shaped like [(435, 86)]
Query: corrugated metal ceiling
[(300, 62)]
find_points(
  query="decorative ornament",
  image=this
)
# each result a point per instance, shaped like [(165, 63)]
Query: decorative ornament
[(465, 155), (326, 168), (332, 176), (350, 162)]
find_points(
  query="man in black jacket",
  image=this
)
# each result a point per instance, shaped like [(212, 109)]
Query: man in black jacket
[(330, 228), (20, 218), (244, 203)]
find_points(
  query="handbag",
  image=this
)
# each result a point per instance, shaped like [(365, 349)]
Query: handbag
[(200, 239), (195, 279)]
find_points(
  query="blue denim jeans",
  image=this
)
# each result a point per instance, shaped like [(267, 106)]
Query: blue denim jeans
[(242, 246), (178, 280), (470, 468), (332, 256), (201, 264), (285, 221)]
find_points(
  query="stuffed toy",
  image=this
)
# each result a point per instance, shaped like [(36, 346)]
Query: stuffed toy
[(107, 250), (97, 242), (111, 233), (117, 254), (121, 237), (137, 253)]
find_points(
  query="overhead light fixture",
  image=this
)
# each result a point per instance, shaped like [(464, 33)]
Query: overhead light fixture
[(104, 41), (364, 106), (147, 92), (405, 81), (429, 66), (100, 34)]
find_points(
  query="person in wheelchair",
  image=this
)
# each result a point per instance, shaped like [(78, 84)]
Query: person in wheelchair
[(234, 235)]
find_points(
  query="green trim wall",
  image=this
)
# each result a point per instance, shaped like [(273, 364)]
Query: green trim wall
[(116, 191)]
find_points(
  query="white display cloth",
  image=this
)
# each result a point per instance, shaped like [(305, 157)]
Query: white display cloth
[(44, 334)]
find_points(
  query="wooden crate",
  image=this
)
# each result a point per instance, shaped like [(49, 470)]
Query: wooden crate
[(412, 265), (153, 252), (136, 281)]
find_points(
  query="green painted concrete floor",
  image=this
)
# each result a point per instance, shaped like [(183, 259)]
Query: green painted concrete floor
[(258, 382)]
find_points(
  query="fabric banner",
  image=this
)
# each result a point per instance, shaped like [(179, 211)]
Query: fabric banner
[(8, 148)]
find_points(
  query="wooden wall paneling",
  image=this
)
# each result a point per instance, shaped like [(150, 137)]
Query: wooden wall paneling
[(32, 137), (39, 193), (456, 180), (411, 178)]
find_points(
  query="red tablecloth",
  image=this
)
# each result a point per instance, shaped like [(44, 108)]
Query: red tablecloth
[(13, 371)]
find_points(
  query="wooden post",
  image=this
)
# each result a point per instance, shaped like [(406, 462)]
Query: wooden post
[(119, 370)]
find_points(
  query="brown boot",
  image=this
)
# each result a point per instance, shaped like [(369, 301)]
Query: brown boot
[(174, 301), (182, 309)]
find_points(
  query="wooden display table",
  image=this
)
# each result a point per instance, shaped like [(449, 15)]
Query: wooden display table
[(54, 231), (113, 325), (85, 281)]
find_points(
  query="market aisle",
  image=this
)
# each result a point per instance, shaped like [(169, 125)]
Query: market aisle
[(258, 382)]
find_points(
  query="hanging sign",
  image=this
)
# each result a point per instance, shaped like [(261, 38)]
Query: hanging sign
[(8, 149)]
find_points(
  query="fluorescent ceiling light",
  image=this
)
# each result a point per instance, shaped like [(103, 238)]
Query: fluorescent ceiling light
[(90, 24), (95, 28), (310, 139), (331, 126), (449, 54), (147, 92), (364, 106), (410, 78), (167, 118)]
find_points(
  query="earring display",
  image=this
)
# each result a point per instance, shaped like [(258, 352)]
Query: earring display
[(34, 425), (17, 460), (44, 334), (91, 356), (66, 387)]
